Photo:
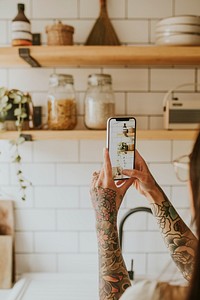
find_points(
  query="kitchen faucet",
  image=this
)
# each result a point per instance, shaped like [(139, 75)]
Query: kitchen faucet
[(121, 224)]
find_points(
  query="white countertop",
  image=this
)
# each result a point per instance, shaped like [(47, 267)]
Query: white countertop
[(4, 294), (53, 286), (58, 286)]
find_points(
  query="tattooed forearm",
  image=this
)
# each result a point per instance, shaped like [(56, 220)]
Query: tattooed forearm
[(179, 239), (112, 271), (113, 274), (105, 204)]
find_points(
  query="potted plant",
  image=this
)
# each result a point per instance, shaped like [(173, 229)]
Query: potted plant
[(5, 106), (14, 106)]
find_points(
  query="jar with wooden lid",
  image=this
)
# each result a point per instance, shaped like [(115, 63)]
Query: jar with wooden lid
[(61, 102), (59, 34), (99, 101)]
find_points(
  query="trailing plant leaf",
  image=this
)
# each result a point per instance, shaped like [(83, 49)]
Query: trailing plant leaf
[(17, 99), (23, 182), (7, 97), (4, 99), (5, 106), (20, 140), (3, 91), (23, 115), (17, 159), (17, 111), (25, 99)]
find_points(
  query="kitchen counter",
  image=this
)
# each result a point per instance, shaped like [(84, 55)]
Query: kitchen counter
[(53, 286), (4, 294), (64, 286)]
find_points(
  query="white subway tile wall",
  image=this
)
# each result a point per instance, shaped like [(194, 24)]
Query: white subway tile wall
[(182, 7), (55, 226)]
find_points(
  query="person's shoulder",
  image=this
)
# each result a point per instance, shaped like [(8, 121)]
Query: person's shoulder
[(152, 289), (140, 290), (170, 291)]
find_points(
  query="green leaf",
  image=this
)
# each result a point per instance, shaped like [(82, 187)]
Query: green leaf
[(17, 158), (2, 91), (9, 106), (17, 111), (19, 93), (24, 99), (4, 99), (17, 123), (11, 95), (17, 99), (20, 140), (23, 115)]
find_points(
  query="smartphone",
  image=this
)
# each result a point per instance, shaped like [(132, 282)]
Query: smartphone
[(121, 141)]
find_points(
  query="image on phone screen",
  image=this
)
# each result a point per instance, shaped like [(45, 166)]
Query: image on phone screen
[(121, 137)]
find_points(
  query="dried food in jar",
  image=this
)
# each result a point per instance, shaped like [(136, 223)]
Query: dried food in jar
[(62, 114), (98, 113), (61, 102)]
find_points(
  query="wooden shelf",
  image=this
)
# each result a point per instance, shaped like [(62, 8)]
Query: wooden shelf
[(101, 135), (51, 56), (62, 56)]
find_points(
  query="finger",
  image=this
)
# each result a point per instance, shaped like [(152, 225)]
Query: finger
[(100, 178), (95, 176), (107, 164), (135, 174), (139, 161)]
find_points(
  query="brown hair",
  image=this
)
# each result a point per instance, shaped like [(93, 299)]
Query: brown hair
[(195, 187)]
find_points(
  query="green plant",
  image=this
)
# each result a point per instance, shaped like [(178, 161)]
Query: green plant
[(14, 98), (20, 113), (5, 106), (9, 99)]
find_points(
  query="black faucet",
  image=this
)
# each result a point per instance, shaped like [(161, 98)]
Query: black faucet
[(121, 224)]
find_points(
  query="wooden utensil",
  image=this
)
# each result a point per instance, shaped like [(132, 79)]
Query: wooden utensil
[(103, 32), (7, 262)]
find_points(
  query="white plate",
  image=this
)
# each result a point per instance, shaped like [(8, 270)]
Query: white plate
[(179, 39), (187, 19), (178, 28), (187, 36)]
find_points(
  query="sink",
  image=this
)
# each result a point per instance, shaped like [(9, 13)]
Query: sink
[(55, 286)]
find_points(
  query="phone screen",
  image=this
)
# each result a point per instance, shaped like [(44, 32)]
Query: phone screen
[(121, 139)]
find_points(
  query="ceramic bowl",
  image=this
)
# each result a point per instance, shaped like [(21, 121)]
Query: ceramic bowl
[(183, 19), (181, 28), (179, 39)]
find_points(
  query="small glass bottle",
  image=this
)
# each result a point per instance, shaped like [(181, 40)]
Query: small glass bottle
[(99, 101), (61, 102), (21, 28)]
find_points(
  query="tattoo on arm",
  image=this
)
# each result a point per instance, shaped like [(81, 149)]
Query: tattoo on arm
[(179, 239), (113, 274)]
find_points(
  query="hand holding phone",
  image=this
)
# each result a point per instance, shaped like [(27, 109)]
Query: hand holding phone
[(121, 140)]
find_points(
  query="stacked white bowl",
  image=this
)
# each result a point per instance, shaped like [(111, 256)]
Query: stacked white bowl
[(180, 30)]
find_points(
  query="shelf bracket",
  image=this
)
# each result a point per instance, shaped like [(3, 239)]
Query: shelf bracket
[(24, 53)]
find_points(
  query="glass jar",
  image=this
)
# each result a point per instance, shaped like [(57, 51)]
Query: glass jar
[(99, 101), (61, 102)]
